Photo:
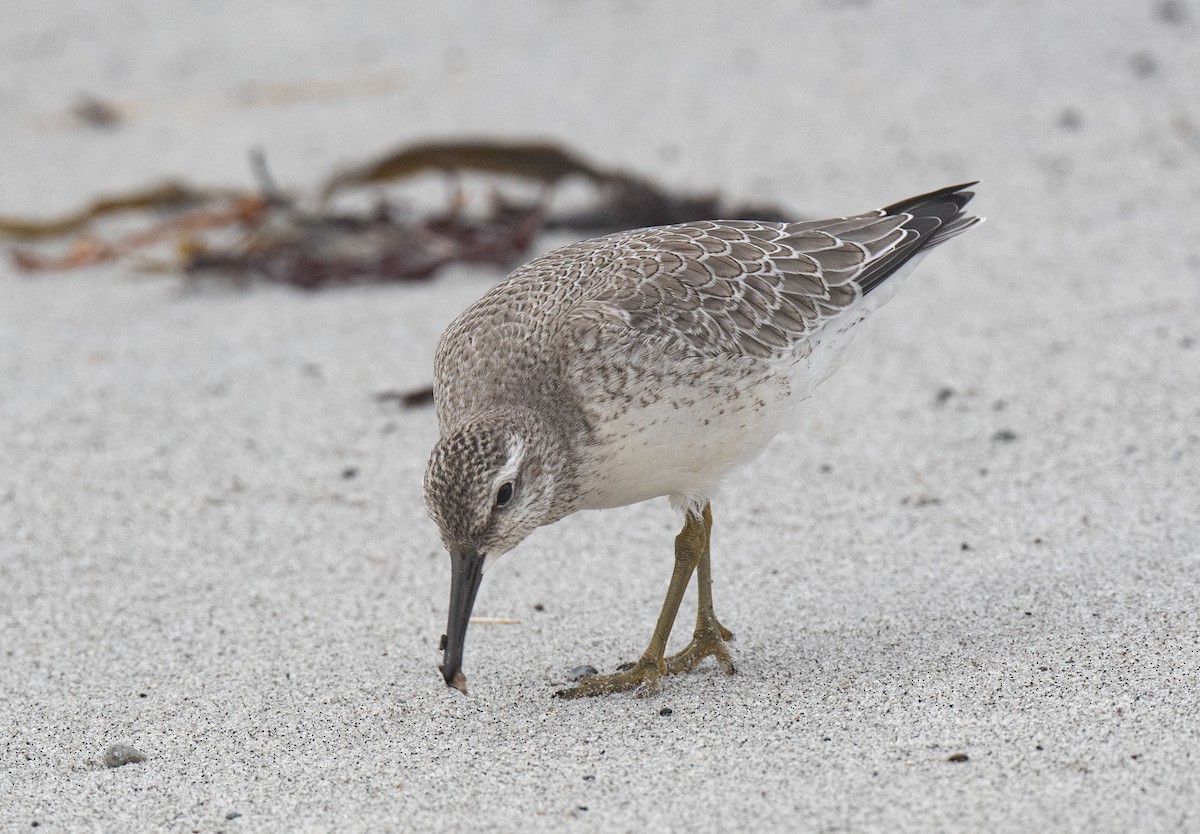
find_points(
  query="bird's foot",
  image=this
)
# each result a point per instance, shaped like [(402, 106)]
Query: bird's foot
[(708, 640), (641, 676)]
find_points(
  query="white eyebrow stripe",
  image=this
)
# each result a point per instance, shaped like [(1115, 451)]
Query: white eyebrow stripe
[(516, 456)]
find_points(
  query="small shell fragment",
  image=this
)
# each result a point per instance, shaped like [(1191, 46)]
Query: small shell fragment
[(581, 672), (122, 754)]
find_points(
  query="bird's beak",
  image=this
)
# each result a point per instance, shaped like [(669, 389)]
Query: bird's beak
[(466, 570)]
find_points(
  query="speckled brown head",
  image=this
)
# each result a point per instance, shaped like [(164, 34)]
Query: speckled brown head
[(487, 487)]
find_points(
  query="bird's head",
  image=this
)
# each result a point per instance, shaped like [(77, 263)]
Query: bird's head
[(487, 487)]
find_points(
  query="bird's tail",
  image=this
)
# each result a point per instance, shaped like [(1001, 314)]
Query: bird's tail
[(933, 219), (938, 215)]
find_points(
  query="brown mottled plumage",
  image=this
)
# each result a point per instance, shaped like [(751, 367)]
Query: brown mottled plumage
[(648, 363)]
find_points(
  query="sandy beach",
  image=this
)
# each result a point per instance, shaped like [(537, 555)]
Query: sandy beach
[(964, 588)]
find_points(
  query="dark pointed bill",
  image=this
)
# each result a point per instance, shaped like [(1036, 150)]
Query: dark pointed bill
[(466, 570)]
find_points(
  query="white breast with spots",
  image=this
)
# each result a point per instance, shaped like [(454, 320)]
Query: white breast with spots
[(682, 441)]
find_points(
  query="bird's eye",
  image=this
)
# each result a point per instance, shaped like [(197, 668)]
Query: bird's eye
[(504, 494)]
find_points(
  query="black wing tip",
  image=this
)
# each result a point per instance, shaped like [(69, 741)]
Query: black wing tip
[(934, 218), (955, 195), (938, 215)]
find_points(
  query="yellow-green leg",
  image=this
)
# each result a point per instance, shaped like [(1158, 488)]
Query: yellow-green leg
[(690, 546), (710, 636)]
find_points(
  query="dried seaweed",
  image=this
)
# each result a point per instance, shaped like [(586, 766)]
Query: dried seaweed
[(629, 202), (167, 195), (540, 162), (276, 241), (625, 201), (313, 252), (87, 250)]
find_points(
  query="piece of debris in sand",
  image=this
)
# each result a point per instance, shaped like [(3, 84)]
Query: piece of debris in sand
[(266, 235), (117, 755), (171, 194), (414, 398), (313, 252), (542, 162)]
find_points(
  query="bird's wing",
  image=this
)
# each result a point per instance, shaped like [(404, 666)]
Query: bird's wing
[(748, 288)]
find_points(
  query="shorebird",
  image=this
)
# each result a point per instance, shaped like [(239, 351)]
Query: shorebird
[(643, 364)]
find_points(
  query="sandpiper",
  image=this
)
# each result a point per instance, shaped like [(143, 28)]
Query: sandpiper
[(649, 363)]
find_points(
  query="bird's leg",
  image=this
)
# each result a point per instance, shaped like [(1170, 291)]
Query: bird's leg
[(690, 546), (710, 636)]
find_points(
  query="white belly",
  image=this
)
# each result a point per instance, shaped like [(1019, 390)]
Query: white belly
[(682, 445)]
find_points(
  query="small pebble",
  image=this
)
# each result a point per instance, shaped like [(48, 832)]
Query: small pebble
[(944, 394), (122, 754), (232, 815), (350, 472), (1143, 64), (1004, 436), (581, 672), (1070, 119), (666, 711), (958, 757), (1172, 11), (537, 606), (589, 778), (95, 112)]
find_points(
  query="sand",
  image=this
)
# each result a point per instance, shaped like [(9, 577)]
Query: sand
[(981, 541)]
